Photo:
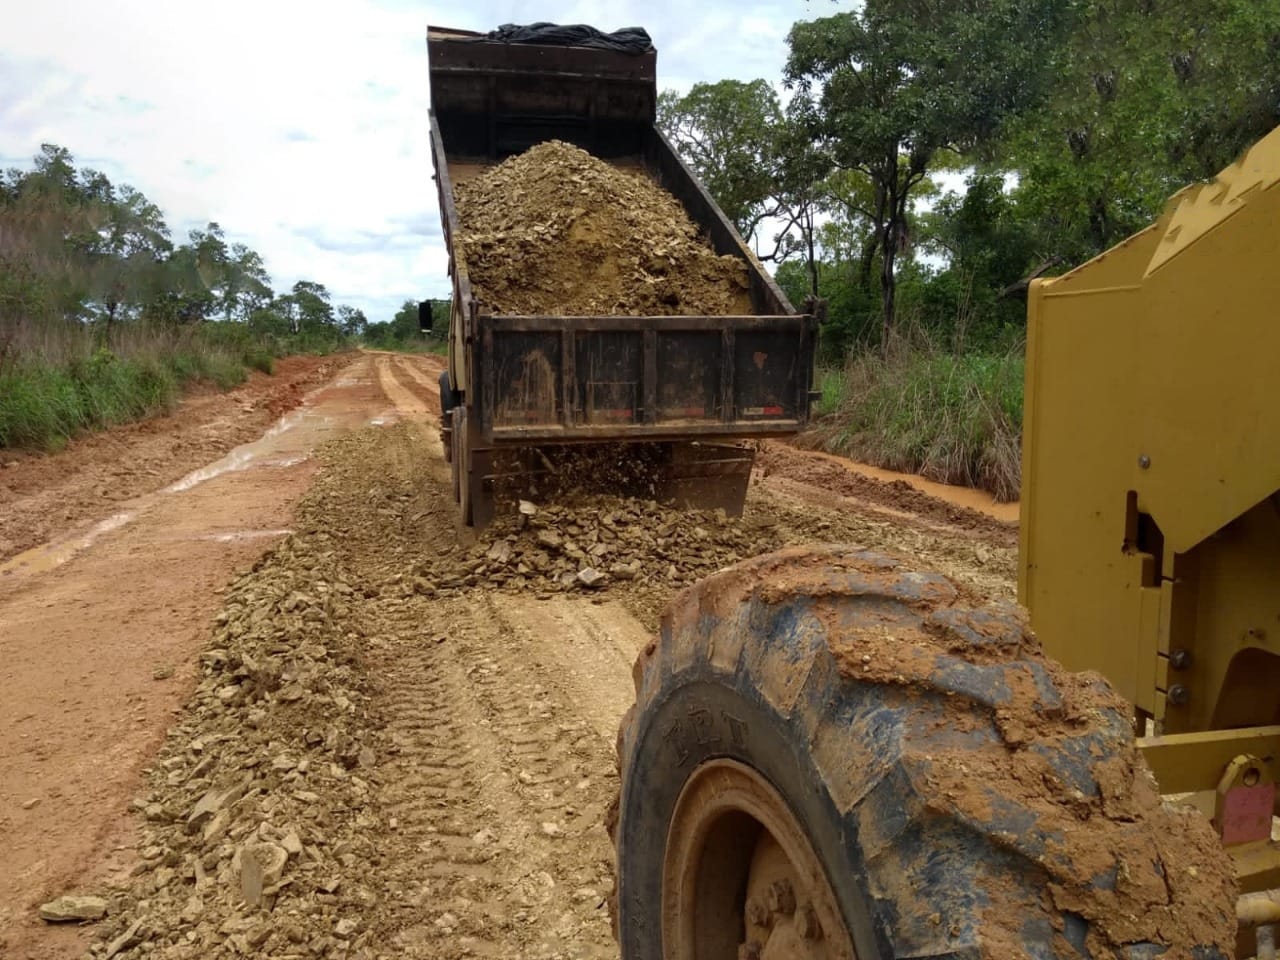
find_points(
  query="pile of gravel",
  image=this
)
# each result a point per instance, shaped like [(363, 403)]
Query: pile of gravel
[(558, 232)]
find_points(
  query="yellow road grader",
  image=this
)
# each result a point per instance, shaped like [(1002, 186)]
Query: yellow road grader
[(833, 755)]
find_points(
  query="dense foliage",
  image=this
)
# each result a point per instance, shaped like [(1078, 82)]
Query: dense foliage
[(921, 161), (1059, 127), (403, 331), (104, 317)]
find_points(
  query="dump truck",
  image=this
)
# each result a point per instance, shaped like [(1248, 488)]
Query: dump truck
[(685, 390), (834, 755)]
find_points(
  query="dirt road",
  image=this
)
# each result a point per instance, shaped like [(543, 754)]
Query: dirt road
[(391, 741)]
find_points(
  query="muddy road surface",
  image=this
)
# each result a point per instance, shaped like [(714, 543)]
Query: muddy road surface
[(382, 735)]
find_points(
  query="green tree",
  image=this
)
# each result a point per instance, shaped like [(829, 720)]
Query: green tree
[(134, 242), (728, 133), (353, 322), (311, 306), (1150, 96), (887, 88), (246, 286)]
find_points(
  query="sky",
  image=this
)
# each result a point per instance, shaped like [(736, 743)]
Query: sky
[(301, 127)]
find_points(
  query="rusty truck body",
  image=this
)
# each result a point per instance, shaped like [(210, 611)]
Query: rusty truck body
[(691, 387)]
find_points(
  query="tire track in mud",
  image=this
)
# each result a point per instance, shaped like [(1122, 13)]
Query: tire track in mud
[(494, 785), (429, 381), (496, 793)]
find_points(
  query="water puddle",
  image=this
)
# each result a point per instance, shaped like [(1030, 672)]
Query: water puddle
[(256, 453), (239, 536), (49, 555)]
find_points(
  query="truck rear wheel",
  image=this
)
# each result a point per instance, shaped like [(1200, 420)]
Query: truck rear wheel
[(833, 757)]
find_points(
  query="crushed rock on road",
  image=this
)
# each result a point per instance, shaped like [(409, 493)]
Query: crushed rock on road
[(398, 736), (401, 745)]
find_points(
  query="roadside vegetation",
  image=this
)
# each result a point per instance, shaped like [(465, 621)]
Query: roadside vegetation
[(924, 164), (404, 334), (951, 417), (104, 318)]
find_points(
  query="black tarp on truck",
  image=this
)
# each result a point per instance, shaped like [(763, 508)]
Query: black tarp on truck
[(686, 386)]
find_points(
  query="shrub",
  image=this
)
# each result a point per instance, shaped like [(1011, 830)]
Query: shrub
[(952, 418)]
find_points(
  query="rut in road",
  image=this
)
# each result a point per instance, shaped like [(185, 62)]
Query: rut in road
[(497, 792), (493, 789)]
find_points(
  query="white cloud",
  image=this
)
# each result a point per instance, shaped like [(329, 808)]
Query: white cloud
[(301, 126)]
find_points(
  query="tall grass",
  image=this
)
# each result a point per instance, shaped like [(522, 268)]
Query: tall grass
[(57, 381), (918, 409)]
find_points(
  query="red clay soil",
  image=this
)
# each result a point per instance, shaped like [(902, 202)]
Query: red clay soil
[(98, 643), (829, 474), (45, 495)]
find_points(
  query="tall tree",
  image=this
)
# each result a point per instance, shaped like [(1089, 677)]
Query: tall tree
[(886, 88), (352, 321), (312, 306), (1150, 96), (248, 285), (728, 133)]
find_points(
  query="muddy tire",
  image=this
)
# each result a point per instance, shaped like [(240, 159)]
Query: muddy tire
[(956, 793)]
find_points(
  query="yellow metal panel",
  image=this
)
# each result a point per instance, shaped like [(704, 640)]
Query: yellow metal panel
[(1206, 393), (1201, 208), (1257, 865), (1151, 380), (1075, 579), (1191, 762)]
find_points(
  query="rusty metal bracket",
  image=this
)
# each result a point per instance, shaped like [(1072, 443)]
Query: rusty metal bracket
[(1244, 801)]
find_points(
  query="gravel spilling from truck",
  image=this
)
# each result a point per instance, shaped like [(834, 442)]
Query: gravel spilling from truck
[(558, 232)]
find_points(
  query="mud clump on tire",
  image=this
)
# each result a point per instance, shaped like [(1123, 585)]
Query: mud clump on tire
[(558, 232)]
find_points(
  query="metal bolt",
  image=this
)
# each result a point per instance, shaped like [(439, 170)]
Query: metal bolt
[(1180, 659), (1144, 461), (1179, 695), (781, 898), (757, 913), (807, 924)]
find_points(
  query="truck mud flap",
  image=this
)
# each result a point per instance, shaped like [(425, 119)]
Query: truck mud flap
[(709, 476)]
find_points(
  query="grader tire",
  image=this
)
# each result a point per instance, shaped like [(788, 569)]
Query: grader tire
[(831, 756)]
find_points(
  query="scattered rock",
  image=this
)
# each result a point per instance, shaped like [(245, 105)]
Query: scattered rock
[(261, 867), (73, 907), (131, 937), (162, 672), (209, 804), (344, 928), (591, 577), (30, 804)]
